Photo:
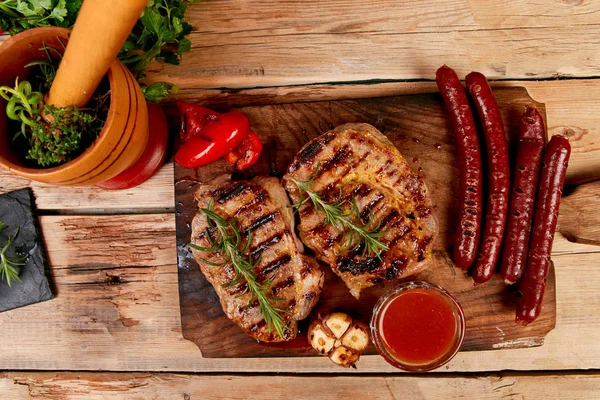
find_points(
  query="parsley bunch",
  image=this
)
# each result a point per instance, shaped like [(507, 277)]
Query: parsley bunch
[(19, 15)]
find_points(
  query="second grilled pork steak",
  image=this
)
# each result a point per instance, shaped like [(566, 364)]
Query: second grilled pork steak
[(261, 207), (357, 163)]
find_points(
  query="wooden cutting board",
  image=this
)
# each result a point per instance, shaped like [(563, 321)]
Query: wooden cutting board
[(419, 127)]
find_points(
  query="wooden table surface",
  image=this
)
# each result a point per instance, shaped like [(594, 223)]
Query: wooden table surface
[(113, 255)]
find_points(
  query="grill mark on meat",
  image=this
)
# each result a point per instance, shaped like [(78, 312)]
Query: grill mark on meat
[(329, 241), (260, 221), (365, 215), (339, 176), (402, 231), (310, 295), (340, 156), (265, 244), (330, 194), (421, 246), (226, 194), (356, 266), (306, 211), (304, 271), (259, 200), (396, 266), (292, 304), (310, 152), (208, 230), (393, 214), (238, 289), (282, 285), (272, 266), (258, 325)]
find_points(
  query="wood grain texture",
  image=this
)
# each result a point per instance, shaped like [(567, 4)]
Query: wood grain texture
[(117, 309), (145, 386), (428, 146), (578, 219), (258, 43), (154, 195)]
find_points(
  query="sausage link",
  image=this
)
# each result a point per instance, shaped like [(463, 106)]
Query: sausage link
[(532, 138), (469, 165), (552, 179), (499, 175)]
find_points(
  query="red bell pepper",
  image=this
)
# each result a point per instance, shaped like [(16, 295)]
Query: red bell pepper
[(194, 118), (246, 154), (216, 140), (209, 135)]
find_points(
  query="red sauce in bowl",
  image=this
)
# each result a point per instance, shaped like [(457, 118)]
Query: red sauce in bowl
[(417, 326)]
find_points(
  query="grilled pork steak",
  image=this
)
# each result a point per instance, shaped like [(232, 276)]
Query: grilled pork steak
[(259, 206), (356, 162)]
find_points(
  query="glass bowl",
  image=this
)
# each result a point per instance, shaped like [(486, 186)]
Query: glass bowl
[(389, 355)]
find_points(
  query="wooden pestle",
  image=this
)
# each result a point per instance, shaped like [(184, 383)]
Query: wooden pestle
[(99, 33)]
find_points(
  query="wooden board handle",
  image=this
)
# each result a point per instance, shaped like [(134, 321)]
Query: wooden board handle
[(578, 218), (99, 33)]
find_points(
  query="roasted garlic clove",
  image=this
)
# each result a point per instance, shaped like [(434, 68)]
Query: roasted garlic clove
[(344, 357), (338, 323), (339, 337), (356, 337), (319, 339)]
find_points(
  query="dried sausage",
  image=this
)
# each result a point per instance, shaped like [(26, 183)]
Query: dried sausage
[(552, 179), (469, 164), (499, 175), (532, 138)]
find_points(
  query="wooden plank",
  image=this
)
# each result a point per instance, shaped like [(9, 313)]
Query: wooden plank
[(570, 107), (154, 195), (117, 309), (242, 44), (146, 386)]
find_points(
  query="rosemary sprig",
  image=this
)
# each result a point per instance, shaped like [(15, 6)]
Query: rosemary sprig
[(347, 221), (9, 266), (229, 242)]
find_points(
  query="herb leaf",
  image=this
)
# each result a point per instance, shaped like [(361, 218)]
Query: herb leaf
[(158, 91), (345, 216), (230, 243), (9, 266)]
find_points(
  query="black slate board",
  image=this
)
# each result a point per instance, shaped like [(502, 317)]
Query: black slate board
[(17, 211)]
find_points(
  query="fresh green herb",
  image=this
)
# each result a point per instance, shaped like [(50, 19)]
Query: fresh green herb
[(19, 15), (24, 104), (230, 243), (46, 70), (9, 266), (345, 216), (61, 140), (63, 132), (158, 91), (160, 33)]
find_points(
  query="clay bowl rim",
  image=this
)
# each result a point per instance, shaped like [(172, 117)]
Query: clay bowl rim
[(41, 172)]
